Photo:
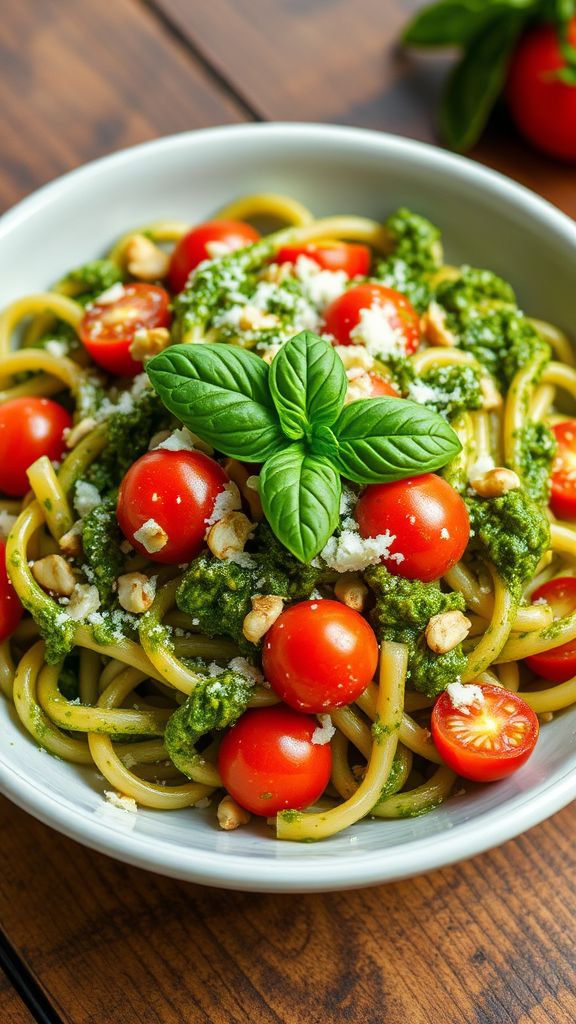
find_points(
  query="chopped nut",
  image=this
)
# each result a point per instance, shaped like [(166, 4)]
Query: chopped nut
[(254, 319), (228, 536), (56, 574), (269, 353), (350, 589), (84, 601), (433, 327), (545, 716), (71, 542), (148, 343), (241, 476), (496, 482), (136, 592), (152, 537), (446, 631), (359, 771), (355, 356), (491, 397), (276, 272), (231, 815), (359, 385), (75, 434), (146, 260), (265, 611)]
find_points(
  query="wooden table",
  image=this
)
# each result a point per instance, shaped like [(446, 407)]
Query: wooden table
[(86, 940)]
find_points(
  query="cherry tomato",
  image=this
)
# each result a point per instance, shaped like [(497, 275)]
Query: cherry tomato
[(427, 518), (558, 664), (563, 490), (485, 741), (206, 242), (11, 610), (352, 258), (268, 761), (107, 329), (380, 387), (29, 427), (375, 308), (542, 105), (319, 654), (177, 491)]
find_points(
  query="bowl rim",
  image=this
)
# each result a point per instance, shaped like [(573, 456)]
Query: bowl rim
[(319, 872)]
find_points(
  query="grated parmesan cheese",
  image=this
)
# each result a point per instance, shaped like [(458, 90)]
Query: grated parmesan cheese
[(111, 295), (483, 465), (244, 668), (324, 732), (463, 696), (320, 286), (55, 348), (228, 500), (123, 803), (86, 498), (378, 335), (349, 552), (178, 441)]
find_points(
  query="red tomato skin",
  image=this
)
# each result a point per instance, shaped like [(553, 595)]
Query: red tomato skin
[(563, 479), (109, 343), (191, 249), (343, 314), (319, 655), (29, 427), (382, 388), (268, 762), (542, 106), (475, 764), (11, 610), (193, 478), (417, 511), (354, 259), (558, 664)]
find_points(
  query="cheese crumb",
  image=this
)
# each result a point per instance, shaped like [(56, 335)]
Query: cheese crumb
[(151, 536), (123, 803), (483, 465), (86, 498), (352, 553), (228, 500), (56, 348), (243, 667), (111, 295), (320, 286), (377, 333), (178, 441), (324, 732), (463, 696)]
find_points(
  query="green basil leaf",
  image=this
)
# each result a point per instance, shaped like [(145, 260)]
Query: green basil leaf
[(476, 81), (308, 384), (322, 441), (452, 22), (384, 439), (221, 393), (300, 495)]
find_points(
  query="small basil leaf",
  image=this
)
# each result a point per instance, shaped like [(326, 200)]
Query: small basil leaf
[(221, 393), (384, 439), (477, 80), (456, 22), (300, 495), (322, 441), (308, 384)]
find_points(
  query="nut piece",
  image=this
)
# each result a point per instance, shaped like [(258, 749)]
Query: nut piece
[(491, 397), (254, 319), (228, 536), (54, 573), (148, 343), (84, 601), (446, 631), (237, 472), (269, 353), (276, 272), (265, 611), (350, 589), (496, 482), (136, 592), (433, 327), (355, 356), (231, 815), (152, 537), (146, 260), (71, 543), (75, 434)]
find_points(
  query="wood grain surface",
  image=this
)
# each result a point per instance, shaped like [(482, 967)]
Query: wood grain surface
[(486, 942)]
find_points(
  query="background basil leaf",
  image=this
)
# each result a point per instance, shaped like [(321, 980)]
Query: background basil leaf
[(383, 439), (455, 22), (477, 80), (300, 495), (221, 393), (308, 384)]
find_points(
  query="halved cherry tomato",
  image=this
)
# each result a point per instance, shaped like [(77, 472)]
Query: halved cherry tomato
[(563, 491), (11, 610), (485, 741), (558, 664), (268, 761), (107, 329), (175, 491), (354, 259), (206, 242), (319, 654), (29, 427), (377, 311), (380, 387), (427, 518)]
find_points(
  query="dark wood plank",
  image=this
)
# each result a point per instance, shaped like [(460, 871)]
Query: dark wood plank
[(76, 83), (330, 60), (487, 942), (12, 1009)]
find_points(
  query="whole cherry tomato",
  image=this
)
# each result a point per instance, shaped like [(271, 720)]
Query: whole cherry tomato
[(563, 489), (375, 316), (29, 427), (559, 663), (350, 257), (207, 242)]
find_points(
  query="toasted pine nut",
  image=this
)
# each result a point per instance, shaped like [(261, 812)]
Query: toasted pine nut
[(54, 573), (350, 589), (146, 260), (228, 536), (84, 601), (434, 329), (446, 630), (149, 342), (136, 592), (265, 611), (230, 815), (496, 482)]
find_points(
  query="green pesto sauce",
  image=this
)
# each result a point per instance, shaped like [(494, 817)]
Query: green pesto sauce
[(85, 283), (56, 629), (291, 816), (537, 449), (129, 435), (512, 532), (416, 255), (101, 539)]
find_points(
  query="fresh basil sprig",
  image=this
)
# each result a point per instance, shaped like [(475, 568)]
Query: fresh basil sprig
[(291, 417)]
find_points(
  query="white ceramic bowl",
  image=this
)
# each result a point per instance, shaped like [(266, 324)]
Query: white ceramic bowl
[(487, 221)]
